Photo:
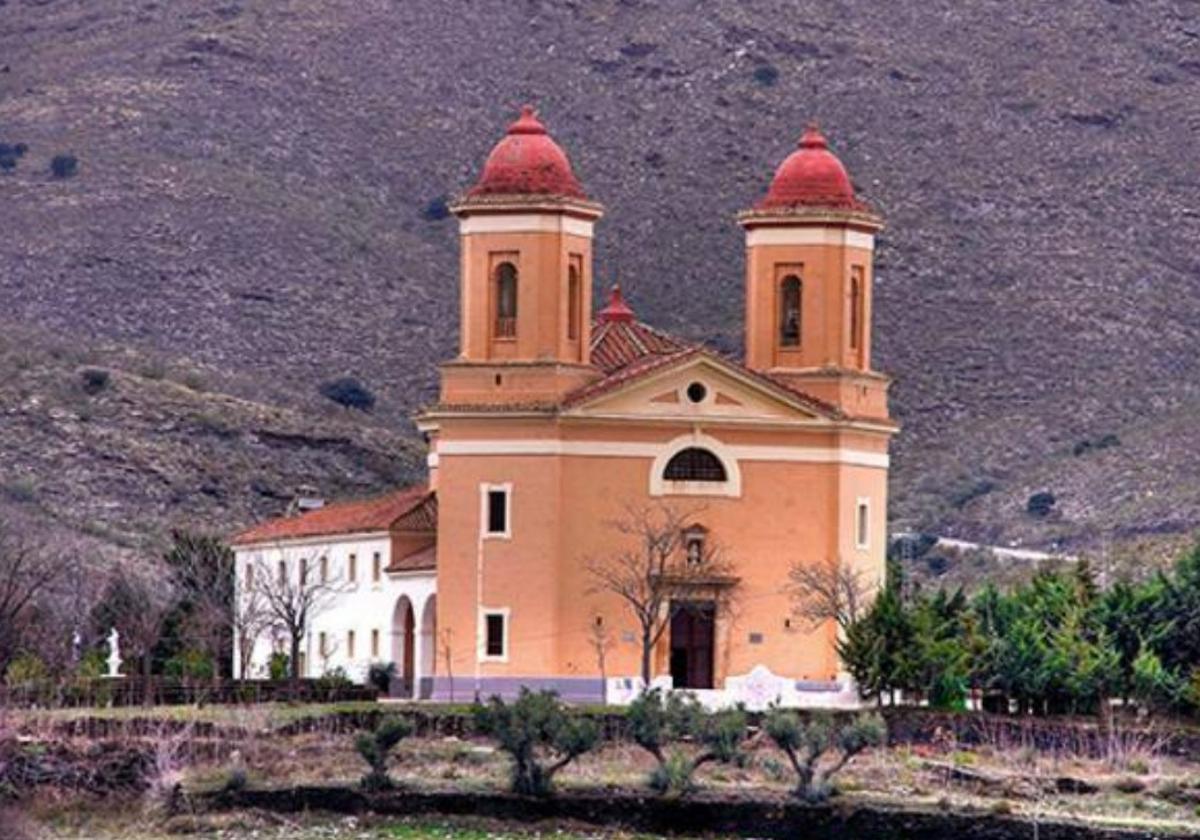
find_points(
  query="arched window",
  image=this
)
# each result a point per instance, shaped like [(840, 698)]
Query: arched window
[(695, 464), (506, 300), (573, 300), (856, 308), (790, 294)]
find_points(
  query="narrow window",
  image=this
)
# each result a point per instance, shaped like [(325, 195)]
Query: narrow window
[(694, 464), (506, 300), (349, 644), (862, 525), (856, 308), (497, 511), (494, 641), (374, 644), (323, 645), (249, 576), (573, 299), (376, 567), (303, 659), (303, 571), (790, 300), (324, 569), (282, 572), (352, 568), (693, 544)]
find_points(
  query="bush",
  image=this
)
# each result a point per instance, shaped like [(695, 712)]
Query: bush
[(1041, 504), (539, 735), (64, 166), (26, 670), (10, 153), (805, 742), (279, 666), (189, 665), (436, 210), (94, 380), (766, 75), (655, 721), (375, 748), (333, 681), (380, 675), (348, 392)]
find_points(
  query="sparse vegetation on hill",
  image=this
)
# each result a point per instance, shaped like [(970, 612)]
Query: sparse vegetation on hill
[(262, 191)]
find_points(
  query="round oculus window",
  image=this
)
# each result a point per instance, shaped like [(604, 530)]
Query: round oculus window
[(696, 392)]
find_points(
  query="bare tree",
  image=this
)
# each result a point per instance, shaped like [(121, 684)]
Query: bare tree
[(137, 605), (202, 571), (664, 560), (251, 619), (831, 591), (25, 578), (294, 593)]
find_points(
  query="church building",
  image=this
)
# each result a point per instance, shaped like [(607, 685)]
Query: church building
[(557, 429)]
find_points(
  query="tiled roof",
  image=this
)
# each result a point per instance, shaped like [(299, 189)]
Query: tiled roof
[(351, 517), (616, 344), (417, 561)]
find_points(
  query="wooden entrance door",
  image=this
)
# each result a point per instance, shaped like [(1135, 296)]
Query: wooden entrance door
[(410, 632), (692, 642)]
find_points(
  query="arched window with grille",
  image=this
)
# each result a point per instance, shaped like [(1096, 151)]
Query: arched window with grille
[(695, 464), (791, 292), (506, 300)]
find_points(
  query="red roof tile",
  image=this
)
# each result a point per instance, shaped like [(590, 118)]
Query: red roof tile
[(350, 517), (417, 561)]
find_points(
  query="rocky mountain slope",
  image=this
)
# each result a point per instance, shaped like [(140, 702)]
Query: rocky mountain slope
[(258, 191)]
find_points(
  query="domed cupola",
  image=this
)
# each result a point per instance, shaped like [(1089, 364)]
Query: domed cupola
[(811, 176), (527, 161)]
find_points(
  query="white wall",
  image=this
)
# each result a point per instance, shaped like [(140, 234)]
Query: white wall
[(362, 605)]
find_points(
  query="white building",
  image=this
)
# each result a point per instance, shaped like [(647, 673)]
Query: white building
[(368, 572)]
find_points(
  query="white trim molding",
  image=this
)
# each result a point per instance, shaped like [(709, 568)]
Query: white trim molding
[(810, 236), (621, 449), (527, 223), (481, 643)]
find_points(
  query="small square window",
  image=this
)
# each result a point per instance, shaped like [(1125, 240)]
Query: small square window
[(494, 644), (496, 512)]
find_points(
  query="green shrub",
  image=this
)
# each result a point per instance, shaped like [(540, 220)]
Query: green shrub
[(279, 666), (377, 746), (26, 670), (94, 380), (190, 664), (656, 721), (805, 742), (334, 681), (539, 735), (64, 166), (380, 675), (348, 392)]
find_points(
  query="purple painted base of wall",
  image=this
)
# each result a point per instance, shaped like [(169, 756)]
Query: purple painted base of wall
[(468, 689)]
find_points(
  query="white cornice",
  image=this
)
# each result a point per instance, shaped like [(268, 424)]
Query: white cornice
[(527, 223), (840, 236)]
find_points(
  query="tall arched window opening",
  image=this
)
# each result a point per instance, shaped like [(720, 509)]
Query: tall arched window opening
[(856, 306), (695, 464), (573, 300), (506, 300), (790, 293)]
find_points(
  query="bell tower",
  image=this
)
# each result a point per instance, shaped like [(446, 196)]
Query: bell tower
[(810, 246), (525, 274)]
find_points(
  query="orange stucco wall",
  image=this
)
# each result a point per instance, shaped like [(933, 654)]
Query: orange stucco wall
[(562, 507)]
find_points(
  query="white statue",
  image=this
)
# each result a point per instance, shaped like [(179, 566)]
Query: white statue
[(114, 654)]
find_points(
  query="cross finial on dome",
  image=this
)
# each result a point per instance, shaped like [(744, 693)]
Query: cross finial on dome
[(812, 137), (528, 122), (618, 310)]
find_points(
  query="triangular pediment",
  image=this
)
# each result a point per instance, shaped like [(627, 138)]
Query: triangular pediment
[(701, 386)]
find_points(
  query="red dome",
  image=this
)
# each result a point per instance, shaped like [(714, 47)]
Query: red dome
[(527, 162), (811, 176)]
